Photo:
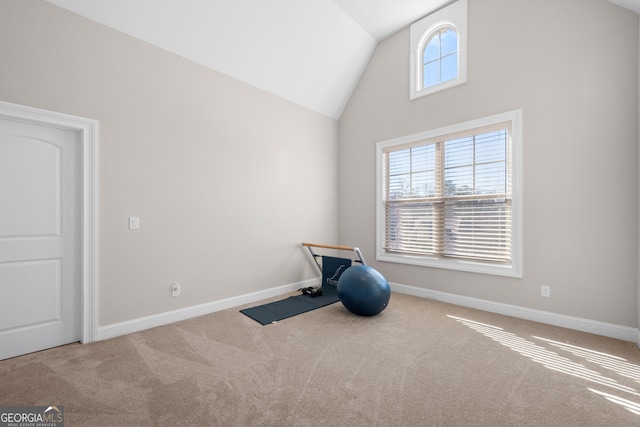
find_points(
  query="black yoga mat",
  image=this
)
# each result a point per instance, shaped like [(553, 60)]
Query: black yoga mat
[(278, 310)]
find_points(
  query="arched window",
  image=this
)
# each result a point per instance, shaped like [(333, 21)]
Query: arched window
[(439, 50), (440, 57)]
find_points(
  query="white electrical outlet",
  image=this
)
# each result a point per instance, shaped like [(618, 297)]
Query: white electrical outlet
[(175, 289), (545, 291), (134, 223)]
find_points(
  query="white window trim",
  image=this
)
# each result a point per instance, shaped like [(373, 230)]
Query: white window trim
[(454, 15), (513, 270)]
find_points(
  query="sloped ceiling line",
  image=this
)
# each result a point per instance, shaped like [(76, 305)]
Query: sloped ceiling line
[(310, 52)]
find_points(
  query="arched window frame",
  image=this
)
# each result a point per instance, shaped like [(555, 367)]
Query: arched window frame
[(452, 16), (428, 36)]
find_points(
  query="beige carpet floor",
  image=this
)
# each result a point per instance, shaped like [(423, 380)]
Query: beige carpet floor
[(418, 363)]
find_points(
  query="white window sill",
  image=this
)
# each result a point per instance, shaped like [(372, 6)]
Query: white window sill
[(453, 264)]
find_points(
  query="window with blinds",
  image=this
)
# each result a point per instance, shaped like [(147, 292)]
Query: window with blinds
[(449, 196)]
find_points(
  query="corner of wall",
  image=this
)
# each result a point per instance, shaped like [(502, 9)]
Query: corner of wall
[(638, 242)]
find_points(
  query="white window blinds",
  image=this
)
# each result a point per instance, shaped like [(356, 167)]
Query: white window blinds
[(450, 197)]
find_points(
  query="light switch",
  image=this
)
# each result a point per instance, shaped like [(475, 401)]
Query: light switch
[(134, 223)]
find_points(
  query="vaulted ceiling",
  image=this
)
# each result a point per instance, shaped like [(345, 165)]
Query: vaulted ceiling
[(311, 52)]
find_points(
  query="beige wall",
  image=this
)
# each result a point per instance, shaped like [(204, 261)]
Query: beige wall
[(572, 67), (226, 179)]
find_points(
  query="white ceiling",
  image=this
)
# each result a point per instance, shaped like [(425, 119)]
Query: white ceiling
[(310, 52), (633, 5)]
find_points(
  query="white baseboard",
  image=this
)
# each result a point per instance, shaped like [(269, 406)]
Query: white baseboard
[(610, 330), (585, 325), (148, 322)]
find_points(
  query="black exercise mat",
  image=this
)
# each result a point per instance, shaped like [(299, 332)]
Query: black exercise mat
[(292, 306)]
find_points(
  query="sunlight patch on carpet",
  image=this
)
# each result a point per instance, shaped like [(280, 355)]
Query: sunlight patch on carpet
[(607, 361), (558, 363)]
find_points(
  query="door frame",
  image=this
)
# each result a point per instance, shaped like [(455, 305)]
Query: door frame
[(88, 130)]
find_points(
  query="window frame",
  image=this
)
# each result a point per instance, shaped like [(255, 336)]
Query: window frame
[(437, 32), (512, 270), (421, 32)]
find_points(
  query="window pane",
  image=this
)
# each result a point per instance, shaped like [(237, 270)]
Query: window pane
[(438, 35), (449, 67), (399, 162), (424, 184), (459, 181), (458, 152), (431, 74), (449, 42), (470, 218), (457, 202), (399, 177), (432, 50), (491, 178), (411, 173), (478, 230), (398, 186), (422, 158), (412, 228), (440, 59), (491, 147)]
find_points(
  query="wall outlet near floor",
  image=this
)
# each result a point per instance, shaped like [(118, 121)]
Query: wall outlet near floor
[(545, 291), (175, 289)]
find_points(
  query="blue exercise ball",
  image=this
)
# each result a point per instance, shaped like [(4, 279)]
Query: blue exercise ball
[(363, 290)]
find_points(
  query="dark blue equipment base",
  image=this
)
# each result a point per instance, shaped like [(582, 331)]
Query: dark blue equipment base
[(292, 306)]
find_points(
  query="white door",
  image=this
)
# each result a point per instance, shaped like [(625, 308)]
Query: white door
[(39, 237)]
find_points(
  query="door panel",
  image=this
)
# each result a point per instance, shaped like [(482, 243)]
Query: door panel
[(39, 237), (31, 291), (34, 189)]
